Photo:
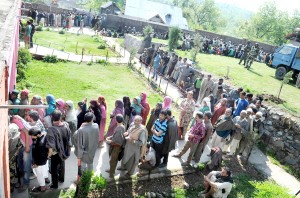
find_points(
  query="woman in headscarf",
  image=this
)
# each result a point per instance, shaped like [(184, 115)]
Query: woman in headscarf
[(95, 109), (80, 112), (71, 117), (24, 101), (51, 104), (205, 106), (136, 108), (60, 105), (167, 104), (187, 107), (127, 111), (154, 116), (145, 107), (119, 109), (103, 107), (37, 100)]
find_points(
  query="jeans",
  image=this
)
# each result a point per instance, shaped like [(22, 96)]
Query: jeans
[(24, 164), (155, 73)]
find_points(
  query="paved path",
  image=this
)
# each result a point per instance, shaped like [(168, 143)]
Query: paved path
[(272, 171), (101, 161)]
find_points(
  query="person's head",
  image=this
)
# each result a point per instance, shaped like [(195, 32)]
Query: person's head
[(56, 115), (14, 94), (258, 115), (158, 106), (228, 112), (190, 95), (24, 94), (119, 104), (101, 100), (249, 96), (184, 60), (143, 97), (249, 112), (258, 104), (93, 103), (169, 114), (243, 114), (33, 116), (242, 94), (199, 116), (35, 132), (223, 101), (208, 76), (162, 115), (221, 80), (137, 120), (207, 115), (69, 105), (126, 101), (80, 105), (60, 103), (119, 118), (88, 117), (36, 100), (180, 58), (225, 172)]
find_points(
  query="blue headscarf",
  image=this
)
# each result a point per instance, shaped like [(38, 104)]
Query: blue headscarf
[(137, 107), (51, 102)]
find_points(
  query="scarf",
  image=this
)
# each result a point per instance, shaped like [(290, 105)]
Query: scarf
[(137, 107)]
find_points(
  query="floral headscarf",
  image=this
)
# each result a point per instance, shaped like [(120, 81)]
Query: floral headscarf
[(167, 104)]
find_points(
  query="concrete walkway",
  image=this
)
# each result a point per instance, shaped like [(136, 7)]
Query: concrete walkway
[(101, 161), (263, 164)]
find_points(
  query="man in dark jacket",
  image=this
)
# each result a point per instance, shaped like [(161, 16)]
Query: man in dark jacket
[(170, 138), (39, 157), (59, 145), (32, 33)]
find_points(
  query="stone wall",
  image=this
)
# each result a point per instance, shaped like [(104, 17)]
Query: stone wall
[(211, 35), (132, 42), (43, 8)]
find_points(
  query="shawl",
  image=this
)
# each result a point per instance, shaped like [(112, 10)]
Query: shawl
[(224, 126), (134, 132), (61, 104), (119, 107), (127, 105), (144, 100), (70, 114), (102, 101), (52, 105), (158, 110), (167, 104), (137, 107)]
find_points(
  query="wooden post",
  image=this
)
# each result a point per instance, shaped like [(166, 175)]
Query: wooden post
[(166, 87), (76, 47), (298, 81)]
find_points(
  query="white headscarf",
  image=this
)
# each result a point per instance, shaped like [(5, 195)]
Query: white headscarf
[(70, 114)]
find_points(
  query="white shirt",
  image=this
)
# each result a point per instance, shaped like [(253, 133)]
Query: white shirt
[(227, 186), (150, 157)]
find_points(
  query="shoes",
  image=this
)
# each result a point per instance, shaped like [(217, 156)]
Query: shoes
[(121, 169), (47, 181), (53, 187), (162, 165), (185, 163), (176, 155)]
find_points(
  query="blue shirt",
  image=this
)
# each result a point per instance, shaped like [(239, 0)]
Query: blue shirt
[(241, 105), (159, 126), (156, 61)]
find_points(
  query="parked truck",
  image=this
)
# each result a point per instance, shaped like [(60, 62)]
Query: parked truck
[(286, 58)]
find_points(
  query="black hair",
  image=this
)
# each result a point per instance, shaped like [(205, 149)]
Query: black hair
[(169, 112), (88, 117), (208, 114), (199, 115), (227, 171), (164, 113), (56, 115), (119, 118), (34, 115), (34, 131), (148, 145)]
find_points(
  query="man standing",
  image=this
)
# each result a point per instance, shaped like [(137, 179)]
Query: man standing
[(59, 145), (196, 134), (185, 72), (206, 88), (156, 65), (170, 138), (135, 139), (150, 53), (197, 86), (15, 101), (233, 95), (208, 134), (116, 143), (86, 142), (32, 33), (27, 34), (240, 104), (244, 56)]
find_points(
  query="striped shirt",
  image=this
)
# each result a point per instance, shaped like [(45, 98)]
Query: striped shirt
[(159, 126)]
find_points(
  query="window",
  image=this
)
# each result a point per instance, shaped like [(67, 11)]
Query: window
[(286, 50)]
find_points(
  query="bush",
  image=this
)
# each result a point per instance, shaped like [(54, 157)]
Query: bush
[(100, 61), (39, 28), (174, 36), (269, 189), (24, 56), (61, 32), (47, 29), (98, 183), (50, 59), (84, 184), (102, 46)]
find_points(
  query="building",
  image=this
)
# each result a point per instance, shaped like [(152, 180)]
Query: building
[(156, 12), (110, 8), (9, 43)]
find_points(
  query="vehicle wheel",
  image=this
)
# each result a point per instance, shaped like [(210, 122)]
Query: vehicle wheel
[(280, 73)]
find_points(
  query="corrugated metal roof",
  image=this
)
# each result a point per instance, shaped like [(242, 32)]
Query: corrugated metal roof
[(106, 5), (145, 9)]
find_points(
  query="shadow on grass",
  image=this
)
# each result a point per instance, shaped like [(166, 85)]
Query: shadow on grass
[(254, 72), (242, 186)]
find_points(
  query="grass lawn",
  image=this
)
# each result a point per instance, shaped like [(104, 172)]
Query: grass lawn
[(258, 80), (67, 42), (73, 81)]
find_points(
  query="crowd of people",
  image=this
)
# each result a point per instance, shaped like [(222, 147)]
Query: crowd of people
[(224, 123)]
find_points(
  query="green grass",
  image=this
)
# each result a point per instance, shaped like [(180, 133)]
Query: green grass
[(68, 41), (73, 81), (258, 80)]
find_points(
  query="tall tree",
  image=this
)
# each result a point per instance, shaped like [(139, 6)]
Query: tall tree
[(174, 36)]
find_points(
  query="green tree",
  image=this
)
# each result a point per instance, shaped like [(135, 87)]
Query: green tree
[(197, 47), (174, 36), (147, 30)]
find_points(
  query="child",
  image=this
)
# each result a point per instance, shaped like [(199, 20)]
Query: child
[(148, 163)]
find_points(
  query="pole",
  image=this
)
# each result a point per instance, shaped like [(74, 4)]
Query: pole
[(24, 106), (149, 72)]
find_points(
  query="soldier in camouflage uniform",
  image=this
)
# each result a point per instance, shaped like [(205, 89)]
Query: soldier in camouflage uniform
[(252, 55), (247, 49)]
